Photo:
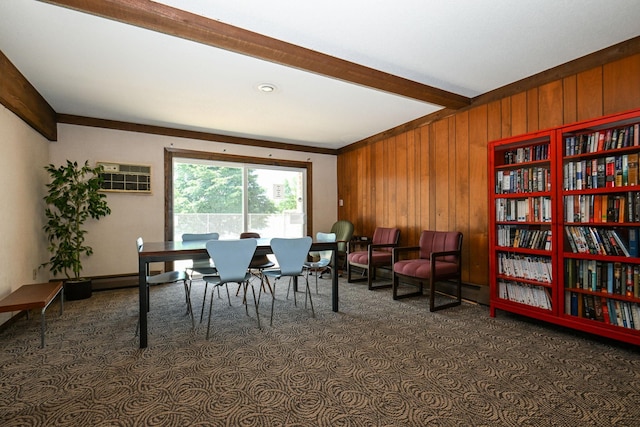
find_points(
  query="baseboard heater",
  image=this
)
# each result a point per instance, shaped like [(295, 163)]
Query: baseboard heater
[(116, 281)]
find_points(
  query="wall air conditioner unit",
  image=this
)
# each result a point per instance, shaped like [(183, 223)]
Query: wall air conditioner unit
[(119, 177)]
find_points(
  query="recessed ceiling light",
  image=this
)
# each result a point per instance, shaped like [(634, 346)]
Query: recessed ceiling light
[(267, 87)]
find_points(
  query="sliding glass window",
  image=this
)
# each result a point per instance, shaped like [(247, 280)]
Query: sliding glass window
[(231, 197)]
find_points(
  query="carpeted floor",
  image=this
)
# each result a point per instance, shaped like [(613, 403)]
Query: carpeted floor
[(377, 362)]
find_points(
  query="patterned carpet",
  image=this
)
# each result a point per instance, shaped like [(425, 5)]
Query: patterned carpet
[(377, 362)]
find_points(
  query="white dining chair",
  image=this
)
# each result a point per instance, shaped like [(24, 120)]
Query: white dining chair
[(231, 259), (290, 255)]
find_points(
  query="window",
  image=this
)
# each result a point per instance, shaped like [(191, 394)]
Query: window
[(208, 192)]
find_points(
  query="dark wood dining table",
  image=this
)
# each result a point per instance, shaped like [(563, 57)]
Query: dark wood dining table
[(177, 250)]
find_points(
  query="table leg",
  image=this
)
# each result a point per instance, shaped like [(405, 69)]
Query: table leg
[(42, 326), (334, 283), (144, 303)]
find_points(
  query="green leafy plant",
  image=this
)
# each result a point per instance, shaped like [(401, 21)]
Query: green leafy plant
[(73, 196)]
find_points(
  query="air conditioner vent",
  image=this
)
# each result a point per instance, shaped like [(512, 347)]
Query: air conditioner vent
[(127, 178)]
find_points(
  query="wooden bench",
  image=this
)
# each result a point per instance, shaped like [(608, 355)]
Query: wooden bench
[(27, 297)]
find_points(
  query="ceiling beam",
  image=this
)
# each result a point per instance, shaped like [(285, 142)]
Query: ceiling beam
[(20, 97), (190, 134), (175, 22)]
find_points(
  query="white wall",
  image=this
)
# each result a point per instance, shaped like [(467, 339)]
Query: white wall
[(133, 215), (24, 153)]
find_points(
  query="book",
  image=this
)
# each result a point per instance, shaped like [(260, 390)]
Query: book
[(632, 174), (605, 310), (613, 315), (633, 242), (610, 171), (618, 171), (597, 305), (588, 311), (620, 243), (617, 279), (601, 172)]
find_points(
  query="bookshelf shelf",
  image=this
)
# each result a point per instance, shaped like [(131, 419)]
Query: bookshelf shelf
[(565, 232)]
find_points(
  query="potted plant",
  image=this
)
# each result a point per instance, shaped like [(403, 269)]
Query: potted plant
[(73, 196)]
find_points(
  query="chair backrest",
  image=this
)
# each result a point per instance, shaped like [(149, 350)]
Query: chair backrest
[(385, 236), (343, 230), (439, 241), (325, 237), (249, 235), (200, 236), (232, 257), (291, 254)]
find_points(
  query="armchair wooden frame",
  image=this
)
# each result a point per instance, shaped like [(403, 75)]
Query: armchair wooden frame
[(434, 275)]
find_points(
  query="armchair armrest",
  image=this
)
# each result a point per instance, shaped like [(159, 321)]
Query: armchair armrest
[(403, 249), (445, 253), (383, 245)]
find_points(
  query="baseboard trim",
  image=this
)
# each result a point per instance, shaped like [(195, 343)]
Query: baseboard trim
[(115, 281), (471, 292)]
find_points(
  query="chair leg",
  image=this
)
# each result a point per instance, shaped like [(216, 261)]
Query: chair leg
[(456, 302), (273, 300), (264, 279), (226, 285), (187, 289), (245, 285), (396, 285), (210, 309), (371, 276), (204, 299), (256, 303), (295, 300), (313, 313)]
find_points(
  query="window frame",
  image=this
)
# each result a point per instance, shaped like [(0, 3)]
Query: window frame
[(171, 153)]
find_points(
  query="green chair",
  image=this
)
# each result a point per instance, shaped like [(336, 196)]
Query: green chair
[(343, 230)]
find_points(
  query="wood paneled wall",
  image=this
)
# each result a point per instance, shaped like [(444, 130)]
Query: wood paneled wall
[(435, 176)]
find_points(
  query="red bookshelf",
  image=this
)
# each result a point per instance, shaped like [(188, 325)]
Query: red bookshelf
[(522, 266), (564, 242)]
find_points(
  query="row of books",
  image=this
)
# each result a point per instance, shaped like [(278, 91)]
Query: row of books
[(525, 267), (527, 154), (607, 310), (605, 208), (603, 140), (519, 237), (601, 172), (523, 180), (524, 293), (531, 209), (600, 276), (602, 241)]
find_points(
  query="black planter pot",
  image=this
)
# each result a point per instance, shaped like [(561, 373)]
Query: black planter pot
[(77, 289)]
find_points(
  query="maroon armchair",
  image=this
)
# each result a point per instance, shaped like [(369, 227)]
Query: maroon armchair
[(439, 257), (378, 254)]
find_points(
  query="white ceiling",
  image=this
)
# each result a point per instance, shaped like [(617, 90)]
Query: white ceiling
[(90, 66)]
